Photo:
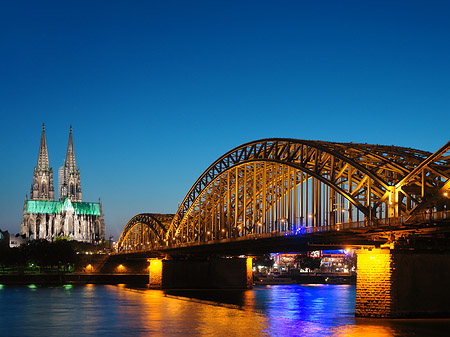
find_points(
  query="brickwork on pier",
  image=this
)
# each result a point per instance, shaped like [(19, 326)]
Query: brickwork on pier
[(374, 283), (402, 283)]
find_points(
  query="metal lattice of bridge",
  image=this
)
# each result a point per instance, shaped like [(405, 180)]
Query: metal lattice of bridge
[(290, 187)]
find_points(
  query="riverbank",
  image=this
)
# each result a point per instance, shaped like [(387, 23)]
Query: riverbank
[(111, 278), (305, 278), (72, 278)]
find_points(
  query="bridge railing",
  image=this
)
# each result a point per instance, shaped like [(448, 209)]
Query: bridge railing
[(345, 226), (296, 230), (429, 216)]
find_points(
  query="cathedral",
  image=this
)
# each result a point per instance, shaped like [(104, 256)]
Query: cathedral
[(46, 218)]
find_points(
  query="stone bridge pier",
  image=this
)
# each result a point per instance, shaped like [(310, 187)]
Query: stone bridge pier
[(201, 273), (402, 283)]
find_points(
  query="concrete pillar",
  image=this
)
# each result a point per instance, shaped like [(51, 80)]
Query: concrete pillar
[(402, 283)]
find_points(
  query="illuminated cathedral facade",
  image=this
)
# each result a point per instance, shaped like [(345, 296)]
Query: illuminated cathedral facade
[(47, 218)]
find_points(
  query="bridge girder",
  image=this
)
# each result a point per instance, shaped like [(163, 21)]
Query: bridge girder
[(286, 186), (365, 175), (144, 232)]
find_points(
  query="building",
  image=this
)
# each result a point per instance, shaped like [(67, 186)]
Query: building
[(4, 239), (46, 218), (17, 240)]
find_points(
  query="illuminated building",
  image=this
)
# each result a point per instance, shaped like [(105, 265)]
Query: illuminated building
[(45, 218)]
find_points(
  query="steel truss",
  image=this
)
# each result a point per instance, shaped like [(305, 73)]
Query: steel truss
[(288, 185), (144, 232)]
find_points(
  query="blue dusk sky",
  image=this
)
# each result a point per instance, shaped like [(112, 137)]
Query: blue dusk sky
[(158, 90)]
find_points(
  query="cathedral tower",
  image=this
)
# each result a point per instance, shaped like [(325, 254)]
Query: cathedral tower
[(42, 187), (45, 218), (69, 175)]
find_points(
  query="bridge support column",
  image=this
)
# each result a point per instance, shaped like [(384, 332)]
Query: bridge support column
[(155, 270), (396, 283), (249, 272), (201, 273)]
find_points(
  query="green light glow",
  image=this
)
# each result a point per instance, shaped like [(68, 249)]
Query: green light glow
[(32, 286), (1, 286), (68, 286), (57, 207)]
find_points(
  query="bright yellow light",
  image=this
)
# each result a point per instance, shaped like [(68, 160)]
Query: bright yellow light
[(249, 272), (121, 268), (445, 194), (155, 273)]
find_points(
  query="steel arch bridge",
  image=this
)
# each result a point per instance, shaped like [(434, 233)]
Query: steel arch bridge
[(283, 186), (145, 231)]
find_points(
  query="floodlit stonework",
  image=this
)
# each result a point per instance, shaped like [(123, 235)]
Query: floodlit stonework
[(45, 218)]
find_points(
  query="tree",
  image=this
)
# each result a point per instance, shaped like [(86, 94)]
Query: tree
[(307, 262)]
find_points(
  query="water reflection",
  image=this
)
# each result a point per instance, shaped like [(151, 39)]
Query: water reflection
[(363, 331), (291, 310)]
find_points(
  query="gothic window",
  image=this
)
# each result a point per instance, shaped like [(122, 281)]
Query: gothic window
[(71, 189), (97, 227), (38, 225), (64, 191), (44, 188)]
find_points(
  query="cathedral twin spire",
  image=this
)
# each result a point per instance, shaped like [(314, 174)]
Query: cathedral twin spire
[(69, 176), (42, 187), (70, 161), (43, 163)]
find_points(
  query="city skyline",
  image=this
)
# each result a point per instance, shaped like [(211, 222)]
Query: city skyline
[(156, 92)]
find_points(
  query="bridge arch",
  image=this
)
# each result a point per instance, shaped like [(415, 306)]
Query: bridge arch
[(358, 181), (144, 232)]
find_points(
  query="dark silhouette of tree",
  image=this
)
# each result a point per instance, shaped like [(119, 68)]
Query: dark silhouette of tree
[(307, 262), (264, 260)]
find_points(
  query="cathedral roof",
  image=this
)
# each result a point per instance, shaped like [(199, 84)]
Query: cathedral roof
[(58, 207)]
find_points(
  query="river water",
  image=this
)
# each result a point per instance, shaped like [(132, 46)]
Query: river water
[(281, 310)]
